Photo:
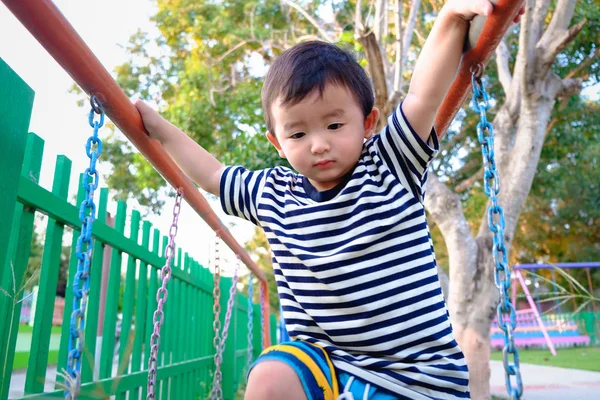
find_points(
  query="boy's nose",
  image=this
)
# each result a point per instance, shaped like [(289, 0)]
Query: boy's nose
[(319, 146)]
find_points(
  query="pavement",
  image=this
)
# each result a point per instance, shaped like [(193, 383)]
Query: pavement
[(540, 383), (549, 383)]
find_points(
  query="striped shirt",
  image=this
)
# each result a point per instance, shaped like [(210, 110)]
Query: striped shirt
[(354, 265)]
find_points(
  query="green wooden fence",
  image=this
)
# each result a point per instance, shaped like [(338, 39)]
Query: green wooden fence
[(134, 255)]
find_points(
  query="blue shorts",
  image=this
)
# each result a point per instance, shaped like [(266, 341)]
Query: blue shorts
[(317, 374)]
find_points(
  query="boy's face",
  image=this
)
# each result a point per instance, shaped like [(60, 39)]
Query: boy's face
[(322, 136)]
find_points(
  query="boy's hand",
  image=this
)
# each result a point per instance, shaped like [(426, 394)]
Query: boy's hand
[(152, 120), (468, 9)]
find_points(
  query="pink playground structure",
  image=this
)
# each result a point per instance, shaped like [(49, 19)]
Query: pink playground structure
[(535, 330)]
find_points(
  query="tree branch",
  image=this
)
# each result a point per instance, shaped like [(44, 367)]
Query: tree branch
[(561, 19), (467, 183), (524, 66), (397, 85), (540, 13), (379, 22), (445, 208), (377, 72), (502, 57), (410, 27), (310, 19), (554, 44), (569, 87), (231, 50), (358, 24), (584, 65)]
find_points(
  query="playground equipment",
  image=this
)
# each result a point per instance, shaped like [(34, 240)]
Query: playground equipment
[(51, 29), (537, 330)]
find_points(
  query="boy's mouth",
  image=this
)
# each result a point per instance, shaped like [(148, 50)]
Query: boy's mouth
[(324, 163)]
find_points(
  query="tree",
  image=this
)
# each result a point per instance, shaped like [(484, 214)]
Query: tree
[(214, 54), (523, 114)]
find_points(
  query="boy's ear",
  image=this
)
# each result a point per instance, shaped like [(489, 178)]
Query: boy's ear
[(371, 123), (273, 139)]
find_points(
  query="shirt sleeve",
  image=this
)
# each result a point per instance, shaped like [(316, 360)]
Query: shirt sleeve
[(406, 154), (240, 191)]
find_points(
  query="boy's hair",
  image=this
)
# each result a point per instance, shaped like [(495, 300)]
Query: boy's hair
[(311, 65)]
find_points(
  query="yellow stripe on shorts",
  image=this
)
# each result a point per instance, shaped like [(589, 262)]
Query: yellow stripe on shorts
[(328, 393)]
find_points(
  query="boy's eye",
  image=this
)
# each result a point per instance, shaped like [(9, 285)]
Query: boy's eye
[(297, 135), (334, 127)]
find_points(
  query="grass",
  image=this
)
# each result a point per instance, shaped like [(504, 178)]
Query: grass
[(22, 358), (29, 329), (586, 358)]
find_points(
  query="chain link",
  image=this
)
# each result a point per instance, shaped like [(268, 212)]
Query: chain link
[(161, 299), (81, 282), (250, 317), (506, 314), (220, 339), (217, 312)]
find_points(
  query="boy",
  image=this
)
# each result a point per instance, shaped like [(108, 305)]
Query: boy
[(352, 254)]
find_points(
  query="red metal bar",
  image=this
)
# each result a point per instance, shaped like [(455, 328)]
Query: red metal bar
[(267, 326), (46, 23), (492, 32)]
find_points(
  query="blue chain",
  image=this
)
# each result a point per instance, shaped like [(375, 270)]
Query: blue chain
[(506, 315), (81, 283)]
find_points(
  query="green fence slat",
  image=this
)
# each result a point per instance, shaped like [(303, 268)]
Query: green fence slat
[(126, 340), (40, 341), (16, 103), (22, 231), (273, 327), (175, 336), (182, 336), (256, 332), (92, 344), (141, 305), (185, 338), (227, 363), (112, 299), (152, 288), (164, 329)]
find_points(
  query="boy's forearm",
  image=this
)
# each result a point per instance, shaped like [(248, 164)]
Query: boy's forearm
[(435, 70), (197, 163)]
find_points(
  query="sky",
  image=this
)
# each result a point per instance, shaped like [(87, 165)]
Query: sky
[(105, 26)]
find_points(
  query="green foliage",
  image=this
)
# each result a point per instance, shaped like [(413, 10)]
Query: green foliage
[(561, 219), (259, 250), (204, 72)]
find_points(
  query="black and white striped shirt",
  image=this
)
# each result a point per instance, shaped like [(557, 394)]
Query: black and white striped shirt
[(355, 267)]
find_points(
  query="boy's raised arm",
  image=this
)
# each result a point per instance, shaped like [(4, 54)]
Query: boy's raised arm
[(197, 163), (438, 62)]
